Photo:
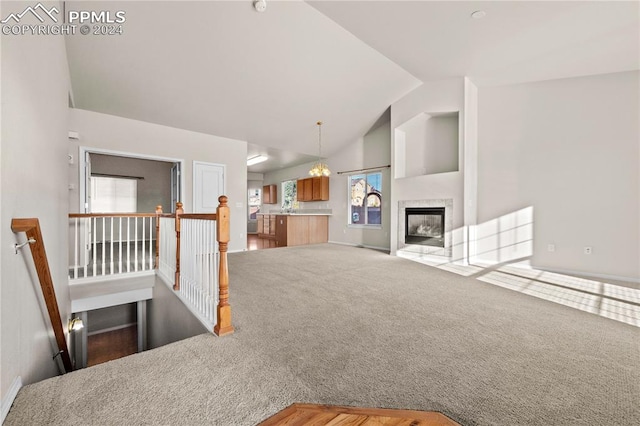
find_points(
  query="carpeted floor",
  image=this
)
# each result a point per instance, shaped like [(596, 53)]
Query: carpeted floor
[(347, 326)]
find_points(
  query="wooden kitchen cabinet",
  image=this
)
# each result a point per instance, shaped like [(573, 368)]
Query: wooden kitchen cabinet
[(281, 230), (267, 226), (313, 189), (270, 194), (298, 230), (320, 188), (304, 189), (294, 230), (260, 224), (272, 226)]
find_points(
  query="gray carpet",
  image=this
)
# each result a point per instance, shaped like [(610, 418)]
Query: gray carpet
[(340, 325)]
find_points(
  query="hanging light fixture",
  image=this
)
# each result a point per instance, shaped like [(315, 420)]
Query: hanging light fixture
[(319, 168)]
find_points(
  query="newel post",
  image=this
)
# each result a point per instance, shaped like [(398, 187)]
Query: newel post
[(158, 213), (179, 211), (223, 325)]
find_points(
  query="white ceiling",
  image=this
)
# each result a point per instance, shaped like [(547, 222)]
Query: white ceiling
[(224, 69)]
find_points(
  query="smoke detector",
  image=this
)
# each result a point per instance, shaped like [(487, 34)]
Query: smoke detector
[(260, 5)]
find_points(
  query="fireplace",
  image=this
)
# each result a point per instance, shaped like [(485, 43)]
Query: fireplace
[(424, 226)]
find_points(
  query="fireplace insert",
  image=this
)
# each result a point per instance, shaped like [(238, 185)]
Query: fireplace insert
[(424, 226)]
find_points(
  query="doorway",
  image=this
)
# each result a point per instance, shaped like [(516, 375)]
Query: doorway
[(159, 179)]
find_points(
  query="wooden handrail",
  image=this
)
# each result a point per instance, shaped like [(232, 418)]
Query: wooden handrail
[(72, 215), (223, 325), (32, 228), (201, 216)]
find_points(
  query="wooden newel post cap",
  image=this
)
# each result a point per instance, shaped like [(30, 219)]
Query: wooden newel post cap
[(158, 209), (223, 200), (178, 205)]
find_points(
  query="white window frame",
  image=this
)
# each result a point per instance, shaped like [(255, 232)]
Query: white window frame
[(365, 225)]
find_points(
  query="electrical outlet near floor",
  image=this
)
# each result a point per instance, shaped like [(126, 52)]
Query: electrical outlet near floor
[(587, 250)]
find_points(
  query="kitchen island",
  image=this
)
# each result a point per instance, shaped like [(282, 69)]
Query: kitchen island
[(294, 229)]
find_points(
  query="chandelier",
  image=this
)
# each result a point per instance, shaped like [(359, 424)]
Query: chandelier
[(319, 168)]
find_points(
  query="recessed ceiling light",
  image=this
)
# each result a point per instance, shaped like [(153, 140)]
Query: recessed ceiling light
[(260, 5), (256, 159), (478, 14)]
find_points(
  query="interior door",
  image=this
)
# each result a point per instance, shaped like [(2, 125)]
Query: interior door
[(208, 185), (175, 186), (86, 229)]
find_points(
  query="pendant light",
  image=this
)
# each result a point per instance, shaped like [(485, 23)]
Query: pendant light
[(319, 168)]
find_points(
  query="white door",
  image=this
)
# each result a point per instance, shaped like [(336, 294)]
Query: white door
[(208, 185), (175, 186), (86, 229)]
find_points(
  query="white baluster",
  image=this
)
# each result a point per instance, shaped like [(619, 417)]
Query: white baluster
[(135, 244), (111, 271), (151, 247), (95, 247), (75, 252), (144, 241), (128, 245), (120, 245), (103, 245)]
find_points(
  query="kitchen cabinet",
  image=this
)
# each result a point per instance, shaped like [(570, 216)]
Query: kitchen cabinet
[(294, 229), (270, 194), (260, 224), (320, 188), (313, 189), (298, 230), (267, 226)]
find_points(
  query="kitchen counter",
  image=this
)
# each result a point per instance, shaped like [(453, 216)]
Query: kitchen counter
[(295, 228)]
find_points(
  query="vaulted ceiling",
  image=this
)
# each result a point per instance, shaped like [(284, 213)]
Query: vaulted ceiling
[(221, 68)]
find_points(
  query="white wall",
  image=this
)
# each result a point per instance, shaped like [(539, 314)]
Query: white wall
[(372, 150), (431, 97), (169, 319), (104, 131), (33, 179), (570, 149), (431, 145)]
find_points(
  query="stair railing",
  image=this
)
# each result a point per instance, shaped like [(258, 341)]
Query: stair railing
[(187, 259), (31, 227)]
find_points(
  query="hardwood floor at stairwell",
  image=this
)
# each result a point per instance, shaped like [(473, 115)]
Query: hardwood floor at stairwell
[(103, 347)]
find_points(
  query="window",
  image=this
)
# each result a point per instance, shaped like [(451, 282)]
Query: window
[(366, 199), (113, 195), (255, 201), (289, 194)]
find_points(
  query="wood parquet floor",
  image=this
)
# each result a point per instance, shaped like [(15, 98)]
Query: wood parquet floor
[(329, 415)]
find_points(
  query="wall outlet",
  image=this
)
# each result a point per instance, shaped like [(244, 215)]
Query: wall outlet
[(551, 248), (587, 250)]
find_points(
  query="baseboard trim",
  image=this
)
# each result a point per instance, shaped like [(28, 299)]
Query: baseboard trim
[(7, 401), (590, 275), (384, 249)]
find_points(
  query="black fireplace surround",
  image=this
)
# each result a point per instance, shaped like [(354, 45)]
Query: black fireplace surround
[(424, 226)]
